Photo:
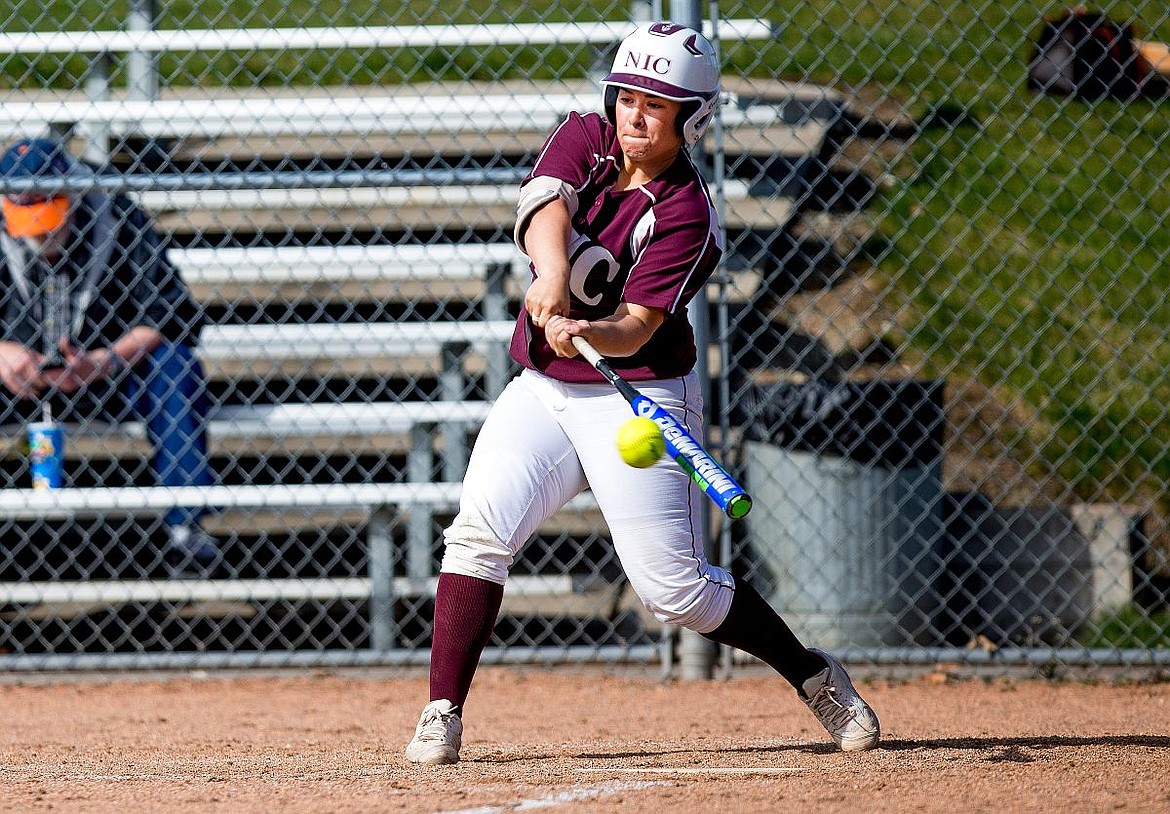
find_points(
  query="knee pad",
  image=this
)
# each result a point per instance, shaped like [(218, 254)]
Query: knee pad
[(472, 549), (700, 605)]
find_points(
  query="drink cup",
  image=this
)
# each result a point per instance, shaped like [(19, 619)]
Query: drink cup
[(46, 452)]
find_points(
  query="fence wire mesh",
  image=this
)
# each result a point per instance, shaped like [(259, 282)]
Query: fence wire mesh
[(938, 345)]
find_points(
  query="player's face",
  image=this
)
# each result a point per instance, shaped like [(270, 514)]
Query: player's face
[(645, 126)]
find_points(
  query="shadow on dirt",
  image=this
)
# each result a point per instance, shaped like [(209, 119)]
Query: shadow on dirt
[(1001, 750), (1010, 746), (813, 748)]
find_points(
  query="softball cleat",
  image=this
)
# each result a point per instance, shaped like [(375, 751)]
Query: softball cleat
[(438, 736), (831, 696)]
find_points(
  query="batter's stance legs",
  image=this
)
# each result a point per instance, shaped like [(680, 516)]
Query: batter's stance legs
[(465, 612)]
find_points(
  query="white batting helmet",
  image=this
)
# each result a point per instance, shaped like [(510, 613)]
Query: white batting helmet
[(671, 61)]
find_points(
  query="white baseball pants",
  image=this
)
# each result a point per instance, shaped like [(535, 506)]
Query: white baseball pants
[(543, 443)]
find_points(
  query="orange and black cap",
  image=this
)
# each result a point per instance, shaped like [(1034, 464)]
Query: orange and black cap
[(33, 214)]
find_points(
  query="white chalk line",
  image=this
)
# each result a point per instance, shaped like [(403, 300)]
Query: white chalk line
[(694, 770), (616, 786), (563, 797)]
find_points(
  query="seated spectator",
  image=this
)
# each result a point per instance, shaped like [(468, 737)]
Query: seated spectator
[(97, 323)]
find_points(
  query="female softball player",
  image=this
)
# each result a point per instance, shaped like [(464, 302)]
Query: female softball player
[(621, 231)]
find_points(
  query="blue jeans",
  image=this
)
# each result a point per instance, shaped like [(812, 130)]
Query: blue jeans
[(167, 391)]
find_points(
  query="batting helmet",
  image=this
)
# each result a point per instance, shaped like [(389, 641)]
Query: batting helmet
[(671, 61)]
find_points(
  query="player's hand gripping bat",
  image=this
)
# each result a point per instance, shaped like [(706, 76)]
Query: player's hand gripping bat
[(686, 451)]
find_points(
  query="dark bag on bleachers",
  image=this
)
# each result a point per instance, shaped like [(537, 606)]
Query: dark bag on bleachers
[(1086, 55)]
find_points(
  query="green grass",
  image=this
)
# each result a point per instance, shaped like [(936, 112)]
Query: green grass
[(1036, 259), (325, 68), (1131, 627), (1030, 244)]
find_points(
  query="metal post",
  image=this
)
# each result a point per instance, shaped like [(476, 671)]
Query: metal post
[(453, 388), (141, 66), (718, 175), (95, 135), (420, 520), (495, 308), (646, 11), (696, 655), (687, 12), (383, 630)]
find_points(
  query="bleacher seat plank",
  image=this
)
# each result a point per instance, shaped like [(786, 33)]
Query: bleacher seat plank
[(307, 419), (300, 419), (352, 123), (105, 593), (351, 273), (304, 265), (435, 273), (482, 206), (555, 595), (286, 341), (373, 115), (347, 37), (31, 504)]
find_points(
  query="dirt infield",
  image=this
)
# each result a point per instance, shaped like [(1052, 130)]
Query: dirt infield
[(578, 742)]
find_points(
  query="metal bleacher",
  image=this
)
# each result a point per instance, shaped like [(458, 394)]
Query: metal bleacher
[(356, 306)]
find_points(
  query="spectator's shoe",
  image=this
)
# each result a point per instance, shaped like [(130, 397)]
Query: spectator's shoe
[(438, 736), (192, 553), (832, 698)]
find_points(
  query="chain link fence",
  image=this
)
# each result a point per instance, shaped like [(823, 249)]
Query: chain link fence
[(937, 359)]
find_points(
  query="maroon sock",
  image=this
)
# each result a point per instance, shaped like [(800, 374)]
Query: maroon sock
[(465, 613), (753, 627)]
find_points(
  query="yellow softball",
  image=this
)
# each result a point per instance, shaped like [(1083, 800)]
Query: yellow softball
[(640, 442)]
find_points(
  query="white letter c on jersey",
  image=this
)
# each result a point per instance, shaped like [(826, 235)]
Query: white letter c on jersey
[(590, 261)]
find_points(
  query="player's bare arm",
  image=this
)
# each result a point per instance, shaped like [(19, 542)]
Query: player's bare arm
[(547, 242), (620, 335)]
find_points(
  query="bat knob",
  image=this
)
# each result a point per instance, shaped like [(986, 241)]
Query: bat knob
[(739, 506)]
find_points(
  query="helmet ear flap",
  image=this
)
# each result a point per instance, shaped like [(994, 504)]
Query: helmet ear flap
[(699, 120), (685, 113), (609, 103)]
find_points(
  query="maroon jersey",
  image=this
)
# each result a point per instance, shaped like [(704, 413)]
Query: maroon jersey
[(655, 246)]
